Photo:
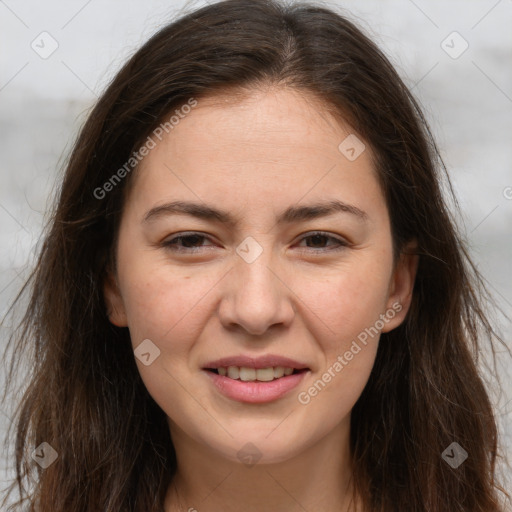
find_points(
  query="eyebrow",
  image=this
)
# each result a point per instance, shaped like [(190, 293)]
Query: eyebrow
[(292, 214)]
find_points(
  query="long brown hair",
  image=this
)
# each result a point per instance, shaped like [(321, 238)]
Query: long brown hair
[(85, 397)]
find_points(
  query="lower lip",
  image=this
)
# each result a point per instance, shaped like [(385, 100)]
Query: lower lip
[(256, 392)]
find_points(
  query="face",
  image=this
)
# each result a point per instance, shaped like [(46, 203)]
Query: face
[(257, 271)]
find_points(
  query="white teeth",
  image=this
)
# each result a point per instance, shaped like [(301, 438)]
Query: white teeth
[(233, 372), (265, 374), (249, 374), (278, 372)]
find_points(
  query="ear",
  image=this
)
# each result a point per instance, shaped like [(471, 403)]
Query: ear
[(114, 302), (401, 286)]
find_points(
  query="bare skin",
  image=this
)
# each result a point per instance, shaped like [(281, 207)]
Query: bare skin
[(302, 298)]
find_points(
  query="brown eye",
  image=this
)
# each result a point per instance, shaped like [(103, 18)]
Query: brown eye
[(318, 240), (185, 243)]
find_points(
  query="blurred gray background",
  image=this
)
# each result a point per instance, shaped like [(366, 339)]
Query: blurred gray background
[(456, 56)]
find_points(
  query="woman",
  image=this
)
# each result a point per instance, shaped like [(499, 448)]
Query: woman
[(262, 370)]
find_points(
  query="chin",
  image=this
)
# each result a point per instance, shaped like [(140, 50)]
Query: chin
[(257, 447)]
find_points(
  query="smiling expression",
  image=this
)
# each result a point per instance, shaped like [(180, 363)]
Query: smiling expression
[(247, 232)]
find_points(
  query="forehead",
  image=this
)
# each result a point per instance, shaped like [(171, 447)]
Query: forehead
[(264, 146), (269, 119)]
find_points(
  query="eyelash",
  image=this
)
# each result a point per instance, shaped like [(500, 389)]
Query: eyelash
[(171, 244)]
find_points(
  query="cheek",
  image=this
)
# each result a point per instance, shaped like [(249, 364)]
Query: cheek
[(346, 301), (347, 309), (171, 306), (166, 306), (346, 323), (170, 310)]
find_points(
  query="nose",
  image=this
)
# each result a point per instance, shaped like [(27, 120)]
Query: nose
[(256, 296)]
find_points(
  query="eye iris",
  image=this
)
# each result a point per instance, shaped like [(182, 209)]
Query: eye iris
[(317, 238), (185, 240)]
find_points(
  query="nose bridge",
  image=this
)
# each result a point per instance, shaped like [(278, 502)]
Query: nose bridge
[(256, 297)]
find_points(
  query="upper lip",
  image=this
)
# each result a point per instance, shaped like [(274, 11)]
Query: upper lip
[(265, 361)]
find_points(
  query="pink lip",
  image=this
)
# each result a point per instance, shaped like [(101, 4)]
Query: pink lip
[(254, 391), (256, 362)]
